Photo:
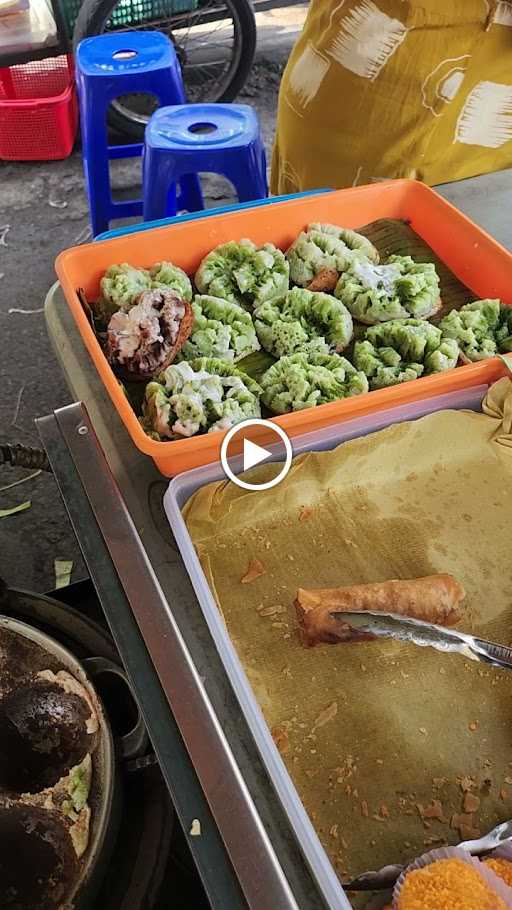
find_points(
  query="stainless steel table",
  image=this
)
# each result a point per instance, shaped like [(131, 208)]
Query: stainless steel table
[(246, 853)]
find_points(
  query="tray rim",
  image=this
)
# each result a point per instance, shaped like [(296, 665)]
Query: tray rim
[(403, 197)]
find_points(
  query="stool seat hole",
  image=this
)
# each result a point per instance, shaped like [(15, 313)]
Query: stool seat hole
[(202, 128), (124, 55)]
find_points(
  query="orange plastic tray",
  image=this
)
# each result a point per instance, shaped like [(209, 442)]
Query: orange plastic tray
[(477, 260)]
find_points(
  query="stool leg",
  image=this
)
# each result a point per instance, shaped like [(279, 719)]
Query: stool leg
[(171, 205), (169, 90), (95, 156), (158, 201), (159, 186), (96, 174), (191, 195), (247, 171), (160, 182)]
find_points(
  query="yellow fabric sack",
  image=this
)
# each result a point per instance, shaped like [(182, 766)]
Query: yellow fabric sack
[(395, 88)]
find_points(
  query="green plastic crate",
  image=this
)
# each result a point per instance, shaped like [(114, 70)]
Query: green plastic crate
[(128, 12)]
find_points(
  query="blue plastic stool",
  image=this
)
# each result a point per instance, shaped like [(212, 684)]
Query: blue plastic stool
[(116, 64), (198, 138)]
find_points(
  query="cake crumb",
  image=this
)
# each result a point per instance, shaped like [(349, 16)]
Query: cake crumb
[(471, 803), (280, 737), (254, 570), (434, 810), (270, 610), (466, 784), (432, 840), (468, 832), (325, 716), (463, 823)]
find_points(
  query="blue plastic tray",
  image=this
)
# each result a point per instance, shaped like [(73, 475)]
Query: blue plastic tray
[(204, 213)]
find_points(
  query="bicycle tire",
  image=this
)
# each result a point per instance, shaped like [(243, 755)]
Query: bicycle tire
[(93, 17)]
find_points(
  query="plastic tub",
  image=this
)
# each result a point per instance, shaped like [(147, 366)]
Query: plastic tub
[(178, 493), (38, 110), (478, 260)]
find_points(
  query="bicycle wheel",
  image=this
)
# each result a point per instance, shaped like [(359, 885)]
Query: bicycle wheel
[(215, 44)]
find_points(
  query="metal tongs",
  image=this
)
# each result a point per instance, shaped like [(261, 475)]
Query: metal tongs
[(425, 634), (386, 877)]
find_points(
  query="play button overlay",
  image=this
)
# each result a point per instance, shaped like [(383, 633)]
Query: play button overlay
[(254, 454)]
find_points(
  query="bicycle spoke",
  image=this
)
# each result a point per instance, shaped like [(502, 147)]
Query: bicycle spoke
[(208, 44)]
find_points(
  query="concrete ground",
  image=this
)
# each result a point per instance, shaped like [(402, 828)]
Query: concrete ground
[(43, 210)]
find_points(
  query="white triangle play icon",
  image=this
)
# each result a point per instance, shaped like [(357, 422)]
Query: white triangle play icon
[(253, 454)]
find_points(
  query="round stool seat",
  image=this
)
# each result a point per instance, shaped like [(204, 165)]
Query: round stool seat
[(198, 125), (125, 53)]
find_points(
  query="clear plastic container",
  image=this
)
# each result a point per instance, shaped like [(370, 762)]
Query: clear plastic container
[(9, 7), (28, 29), (178, 493)]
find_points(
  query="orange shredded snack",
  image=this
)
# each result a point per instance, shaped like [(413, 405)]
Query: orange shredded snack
[(502, 867), (448, 884)]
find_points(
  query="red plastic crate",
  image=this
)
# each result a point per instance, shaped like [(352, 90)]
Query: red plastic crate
[(38, 110)]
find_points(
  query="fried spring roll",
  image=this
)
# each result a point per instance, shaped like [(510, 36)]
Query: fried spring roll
[(432, 599)]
